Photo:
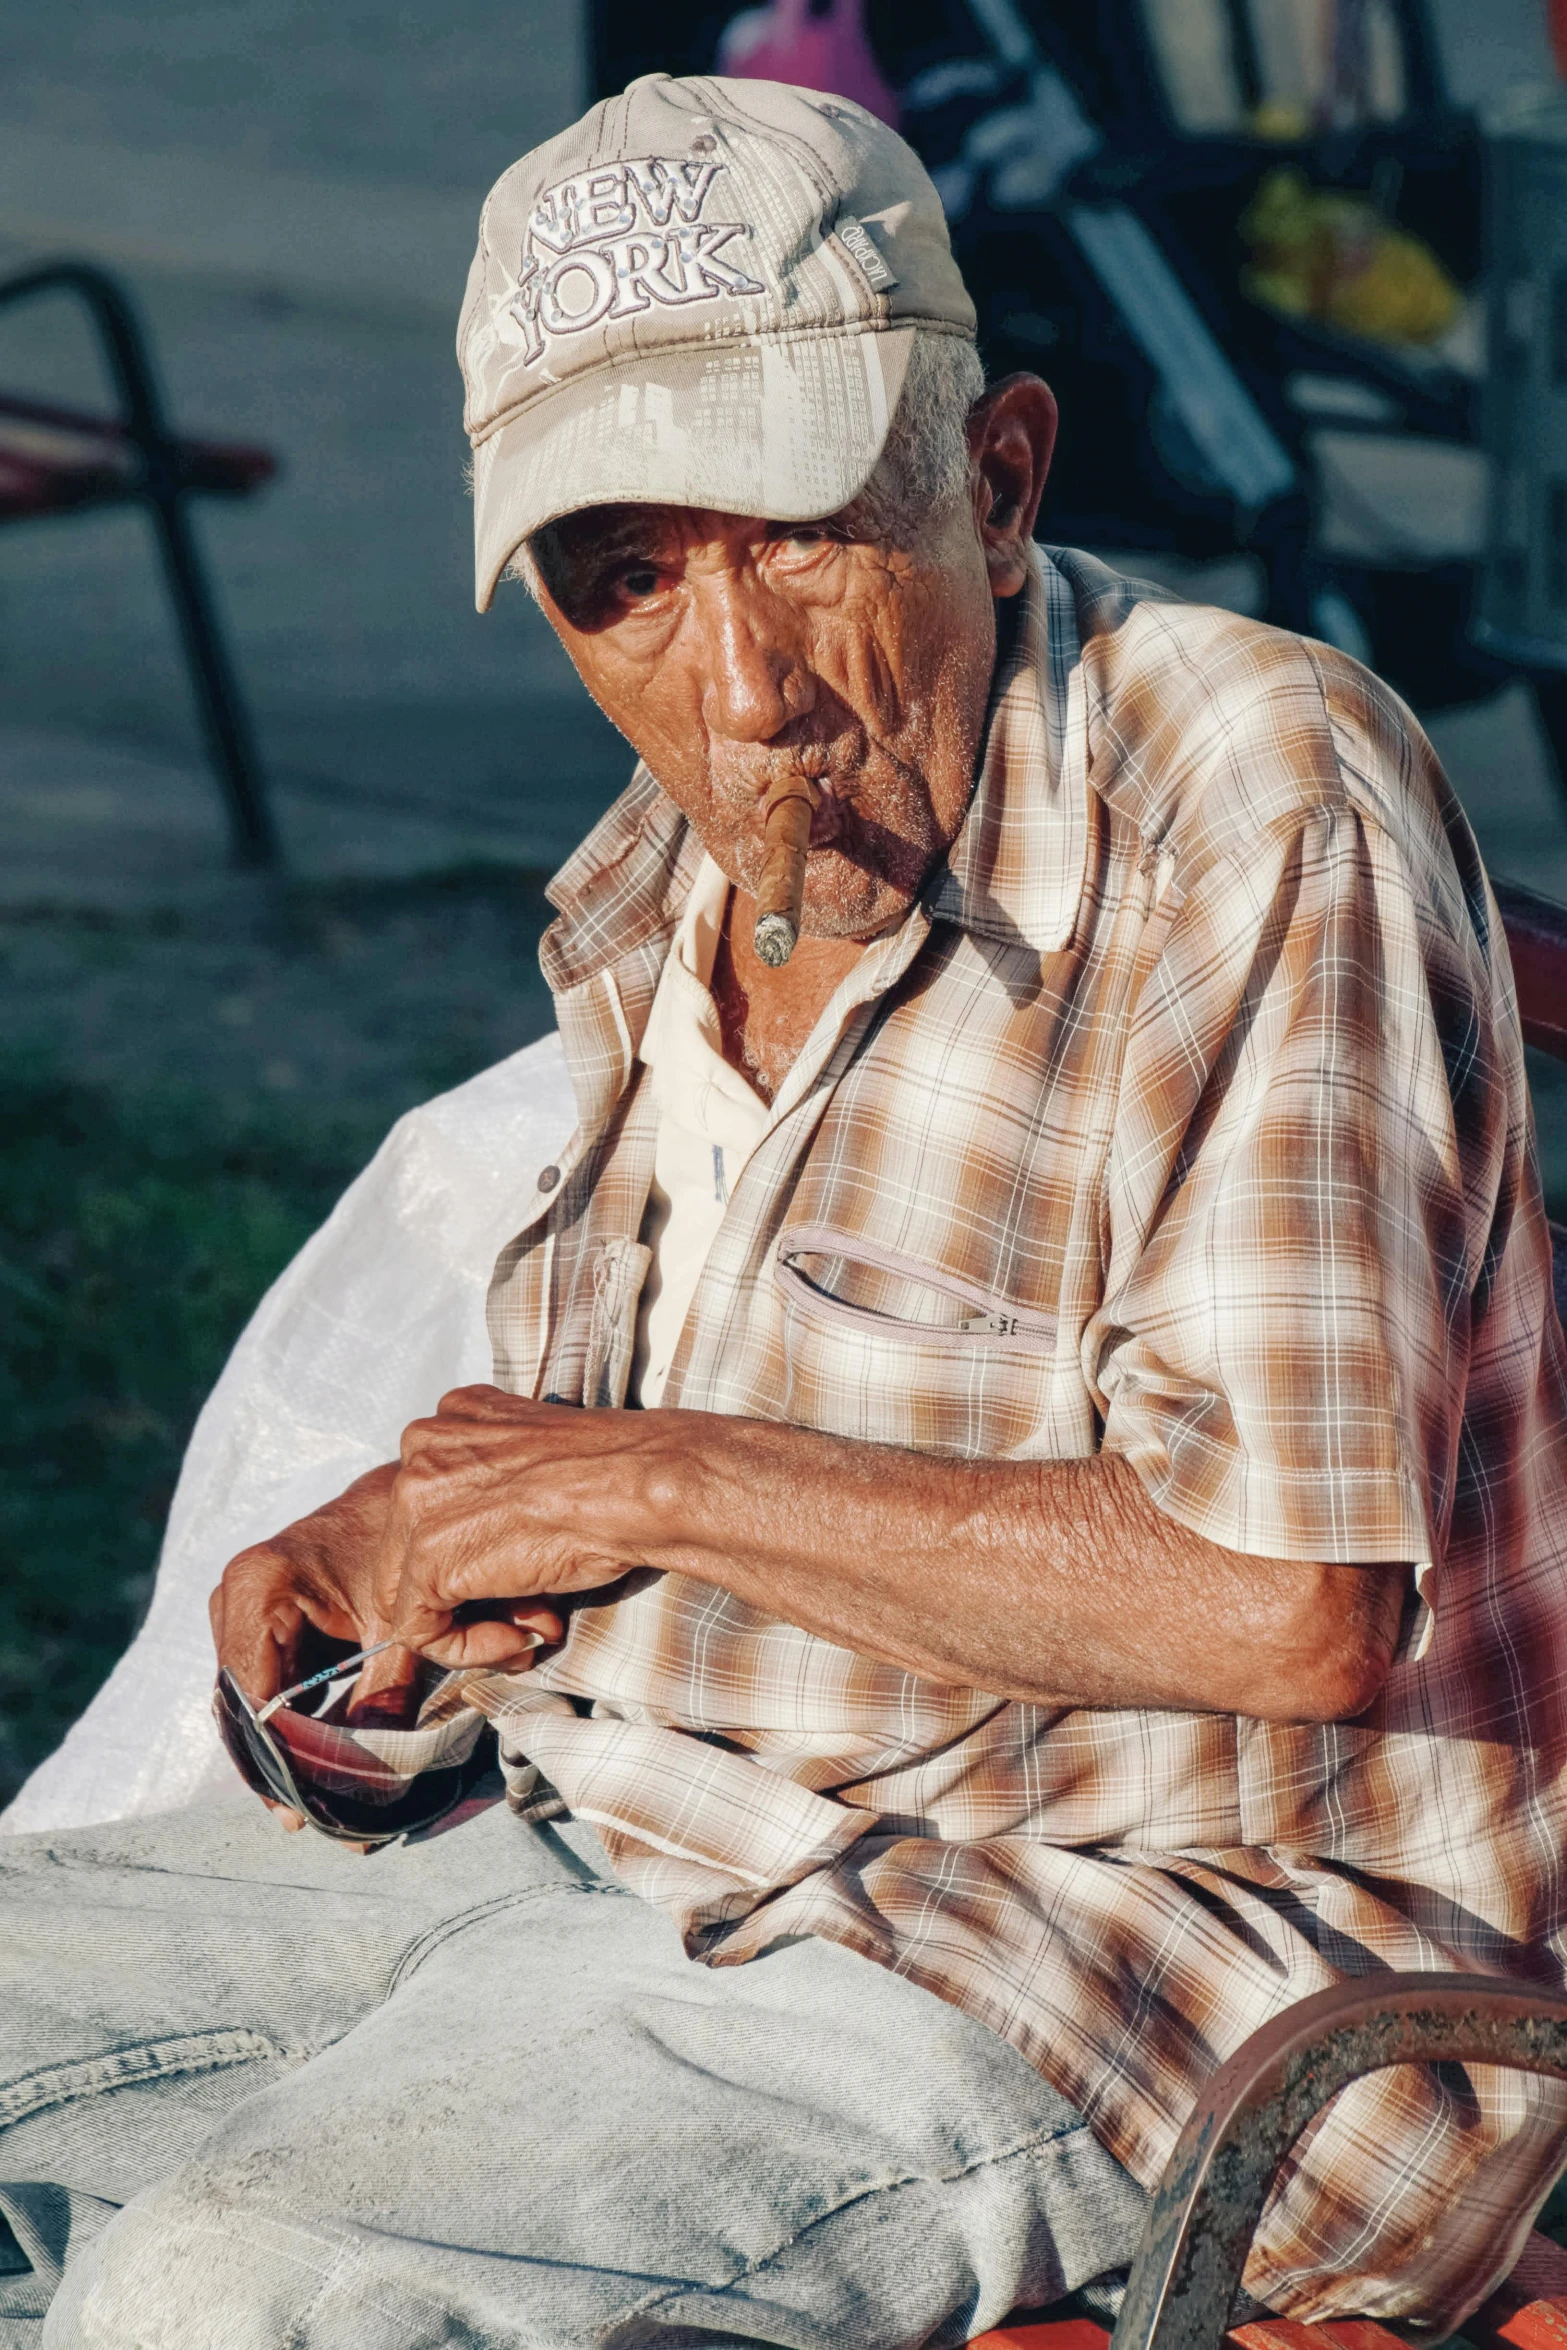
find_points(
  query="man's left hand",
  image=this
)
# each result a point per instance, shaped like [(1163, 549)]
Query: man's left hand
[(499, 1498), (1057, 1582)]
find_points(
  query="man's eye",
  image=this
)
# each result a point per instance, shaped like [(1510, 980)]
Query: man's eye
[(640, 580), (809, 534)]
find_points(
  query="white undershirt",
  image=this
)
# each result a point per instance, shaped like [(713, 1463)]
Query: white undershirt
[(710, 1122)]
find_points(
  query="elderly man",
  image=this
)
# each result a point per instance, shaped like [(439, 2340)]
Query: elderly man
[(1063, 1553)]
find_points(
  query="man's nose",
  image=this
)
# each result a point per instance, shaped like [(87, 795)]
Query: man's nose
[(757, 676)]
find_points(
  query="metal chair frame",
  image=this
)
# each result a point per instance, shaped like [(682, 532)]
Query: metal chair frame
[(162, 479), (1186, 2276)]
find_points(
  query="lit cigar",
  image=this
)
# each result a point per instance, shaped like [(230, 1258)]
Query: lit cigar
[(786, 828)]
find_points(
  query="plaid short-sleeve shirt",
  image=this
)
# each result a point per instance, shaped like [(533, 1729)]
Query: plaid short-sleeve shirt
[(1185, 1118)]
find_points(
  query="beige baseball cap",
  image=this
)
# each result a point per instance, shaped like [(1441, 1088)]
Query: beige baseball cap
[(705, 293)]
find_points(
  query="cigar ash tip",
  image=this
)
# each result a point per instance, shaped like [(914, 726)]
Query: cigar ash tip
[(775, 939)]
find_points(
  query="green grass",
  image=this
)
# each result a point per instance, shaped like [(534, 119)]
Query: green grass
[(134, 1240)]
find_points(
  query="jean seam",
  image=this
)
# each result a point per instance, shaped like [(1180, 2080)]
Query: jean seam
[(754, 2268), (335, 2280), (425, 1944), (119, 2068)]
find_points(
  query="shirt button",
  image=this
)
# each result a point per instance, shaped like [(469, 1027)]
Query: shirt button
[(548, 1178)]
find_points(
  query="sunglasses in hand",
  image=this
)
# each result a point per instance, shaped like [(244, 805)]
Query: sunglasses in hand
[(363, 1784)]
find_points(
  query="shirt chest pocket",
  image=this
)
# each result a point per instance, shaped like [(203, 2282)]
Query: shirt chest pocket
[(890, 1350)]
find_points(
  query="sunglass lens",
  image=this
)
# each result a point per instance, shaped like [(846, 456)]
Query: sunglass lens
[(418, 1803), (247, 1745)]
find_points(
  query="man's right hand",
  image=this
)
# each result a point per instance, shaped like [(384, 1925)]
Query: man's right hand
[(319, 1572)]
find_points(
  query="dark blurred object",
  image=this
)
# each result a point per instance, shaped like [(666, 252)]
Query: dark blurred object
[(58, 461), (1097, 159), (1339, 262), (1537, 941), (1536, 931), (1523, 609), (817, 47)]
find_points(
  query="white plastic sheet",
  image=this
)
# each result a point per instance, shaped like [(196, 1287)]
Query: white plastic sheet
[(378, 1314)]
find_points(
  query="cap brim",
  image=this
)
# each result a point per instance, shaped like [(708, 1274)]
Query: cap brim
[(786, 428)]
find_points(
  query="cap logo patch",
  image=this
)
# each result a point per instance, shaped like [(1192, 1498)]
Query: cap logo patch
[(857, 238), (613, 242)]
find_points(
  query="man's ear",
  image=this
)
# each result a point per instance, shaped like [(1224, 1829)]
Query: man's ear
[(1012, 437)]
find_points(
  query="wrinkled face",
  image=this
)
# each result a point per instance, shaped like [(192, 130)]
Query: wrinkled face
[(731, 651)]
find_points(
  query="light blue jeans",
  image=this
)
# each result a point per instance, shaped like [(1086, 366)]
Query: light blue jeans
[(257, 2093)]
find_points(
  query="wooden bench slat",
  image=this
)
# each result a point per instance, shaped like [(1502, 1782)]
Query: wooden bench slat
[(57, 444), (1335, 2333), (30, 489), (1537, 2325), (1529, 2312), (1048, 2333), (54, 459)]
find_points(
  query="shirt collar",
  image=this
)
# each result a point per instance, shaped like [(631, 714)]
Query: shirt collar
[(629, 880), (1015, 871), (682, 1044)]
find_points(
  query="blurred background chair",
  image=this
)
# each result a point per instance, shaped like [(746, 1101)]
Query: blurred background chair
[(1243, 238), (58, 461), (1537, 943)]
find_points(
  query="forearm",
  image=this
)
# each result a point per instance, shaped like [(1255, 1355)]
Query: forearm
[(1058, 1582)]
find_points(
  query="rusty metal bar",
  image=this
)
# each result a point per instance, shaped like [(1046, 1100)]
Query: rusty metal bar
[(1185, 2277)]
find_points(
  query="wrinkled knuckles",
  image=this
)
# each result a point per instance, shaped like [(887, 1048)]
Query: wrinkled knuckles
[(417, 1439), (260, 1563), (425, 1472)]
